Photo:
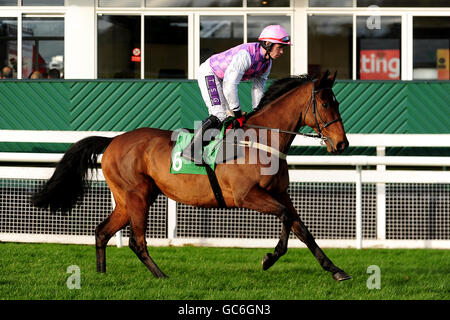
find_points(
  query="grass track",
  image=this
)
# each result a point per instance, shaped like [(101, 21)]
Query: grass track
[(38, 271)]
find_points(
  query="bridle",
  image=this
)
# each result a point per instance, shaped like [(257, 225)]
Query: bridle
[(312, 102), (316, 114), (317, 117)]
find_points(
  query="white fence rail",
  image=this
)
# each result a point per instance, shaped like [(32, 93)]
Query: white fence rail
[(364, 198)]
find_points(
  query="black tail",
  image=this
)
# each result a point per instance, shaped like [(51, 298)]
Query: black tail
[(67, 185)]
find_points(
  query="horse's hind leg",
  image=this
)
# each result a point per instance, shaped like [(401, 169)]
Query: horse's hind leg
[(137, 206), (138, 244), (104, 231)]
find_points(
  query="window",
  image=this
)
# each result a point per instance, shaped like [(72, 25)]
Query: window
[(431, 44), (268, 3), (255, 24), (219, 33), (379, 3), (118, 37), (330, 3), (119, 3), (378, 47), (193, 3), (8, 47), (42, 2), (330, 45), (165, 49), (8, 2), (404, 3), (42, 47), (32, 2), (166, 42)]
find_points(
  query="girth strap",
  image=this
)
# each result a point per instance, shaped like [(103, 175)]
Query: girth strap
[(215, 186)]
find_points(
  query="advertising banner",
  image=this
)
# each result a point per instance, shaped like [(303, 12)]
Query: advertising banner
[(380, 64)]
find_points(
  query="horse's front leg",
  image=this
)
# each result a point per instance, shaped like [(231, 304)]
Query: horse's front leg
[(302, 232), (261, 201)]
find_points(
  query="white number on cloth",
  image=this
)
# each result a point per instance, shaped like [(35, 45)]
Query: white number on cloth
[(177, 163)]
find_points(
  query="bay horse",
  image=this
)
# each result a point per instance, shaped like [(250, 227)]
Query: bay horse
[(136, 167)]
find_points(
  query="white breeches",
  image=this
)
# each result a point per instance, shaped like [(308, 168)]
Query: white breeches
[(212, 91)]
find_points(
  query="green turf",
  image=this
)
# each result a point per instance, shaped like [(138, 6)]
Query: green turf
[(39, 271)]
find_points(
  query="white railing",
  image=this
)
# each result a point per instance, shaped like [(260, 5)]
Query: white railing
[(380, 176)]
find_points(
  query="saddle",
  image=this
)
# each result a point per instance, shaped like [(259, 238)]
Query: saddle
[(219, 150)]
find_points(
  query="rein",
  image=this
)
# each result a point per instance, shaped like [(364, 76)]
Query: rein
[(313, 102)]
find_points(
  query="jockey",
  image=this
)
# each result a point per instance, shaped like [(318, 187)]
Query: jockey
[(219, 77)]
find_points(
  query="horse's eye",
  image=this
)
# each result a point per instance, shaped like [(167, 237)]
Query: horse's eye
[(325, 104)]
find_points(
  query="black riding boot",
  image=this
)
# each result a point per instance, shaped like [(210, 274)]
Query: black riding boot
[(194, 150)]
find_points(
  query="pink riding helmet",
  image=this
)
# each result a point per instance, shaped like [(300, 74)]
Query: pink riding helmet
[(275, 34)]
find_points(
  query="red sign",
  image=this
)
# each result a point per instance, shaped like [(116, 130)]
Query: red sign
[(136, 52), (136, 57), (380, 64)]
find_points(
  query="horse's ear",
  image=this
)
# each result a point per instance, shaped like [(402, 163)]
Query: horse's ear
[(323, 80), (333, 78), (325, 76)]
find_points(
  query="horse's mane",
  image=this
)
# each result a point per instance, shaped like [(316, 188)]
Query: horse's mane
[(280, 87)]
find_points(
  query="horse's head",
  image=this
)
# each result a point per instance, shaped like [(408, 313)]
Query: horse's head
[(322, 114)]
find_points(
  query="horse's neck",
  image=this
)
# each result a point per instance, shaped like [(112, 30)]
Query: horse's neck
[(284, 113)]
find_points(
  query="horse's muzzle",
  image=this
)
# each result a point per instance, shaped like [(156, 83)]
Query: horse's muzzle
[(341, 146), (338, 147)]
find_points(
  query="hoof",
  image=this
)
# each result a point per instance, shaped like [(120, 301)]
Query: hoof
[(268, 261), (341, 276), (160, 275), (101, 269)]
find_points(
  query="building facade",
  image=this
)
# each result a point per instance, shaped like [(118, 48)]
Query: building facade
[(161, 39)]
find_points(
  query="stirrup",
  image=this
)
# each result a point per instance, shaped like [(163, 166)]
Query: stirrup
[(188, 153)]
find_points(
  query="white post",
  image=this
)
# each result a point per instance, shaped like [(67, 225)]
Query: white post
[(358, 208), (19, 49), (299, 52), (80, 42), (118, 233), (119, 239), (381, 199), (171, 219)]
